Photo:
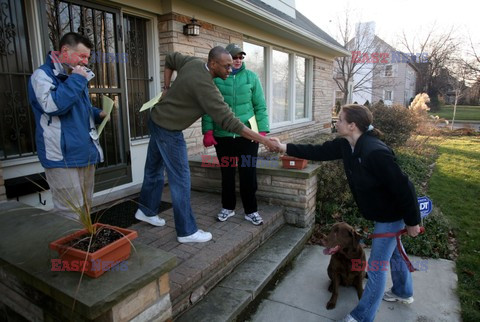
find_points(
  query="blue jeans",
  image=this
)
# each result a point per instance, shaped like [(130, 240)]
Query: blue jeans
[(384, 251), (168, 150)]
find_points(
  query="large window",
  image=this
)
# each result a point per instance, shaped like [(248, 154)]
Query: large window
[(286, 80)]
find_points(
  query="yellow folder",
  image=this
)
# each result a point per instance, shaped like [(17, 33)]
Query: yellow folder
[(151, 103), (253, 124), (107, 106)]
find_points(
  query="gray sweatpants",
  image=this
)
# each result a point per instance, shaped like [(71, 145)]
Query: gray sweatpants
[(71, 188)]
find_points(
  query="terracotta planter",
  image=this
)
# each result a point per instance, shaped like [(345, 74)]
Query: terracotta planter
[(97, 263), (289, 162)]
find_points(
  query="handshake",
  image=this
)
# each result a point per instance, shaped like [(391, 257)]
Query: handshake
[(272, 144)]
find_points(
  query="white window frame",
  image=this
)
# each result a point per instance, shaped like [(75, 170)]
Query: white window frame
[(268, 90), (291, 83), (385, 93)]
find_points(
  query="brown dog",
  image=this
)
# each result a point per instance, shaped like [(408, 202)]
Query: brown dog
[(343, 244)]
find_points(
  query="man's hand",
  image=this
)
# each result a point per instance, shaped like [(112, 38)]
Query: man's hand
[(208, 139), (80, 70), (103, 115), (278, 146), (269, 144), (413, 231)]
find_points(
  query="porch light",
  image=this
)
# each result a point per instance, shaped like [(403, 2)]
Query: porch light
[(192, 29)]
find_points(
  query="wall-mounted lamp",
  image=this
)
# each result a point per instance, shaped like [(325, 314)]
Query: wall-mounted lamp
[(192, 29)]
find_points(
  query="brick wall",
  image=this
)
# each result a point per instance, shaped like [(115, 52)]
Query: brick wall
[(294, 190), (150, 303)]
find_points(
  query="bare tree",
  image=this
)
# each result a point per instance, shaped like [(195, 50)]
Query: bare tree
[(472, 62), (459, 73), (437, 49), (355, 74)]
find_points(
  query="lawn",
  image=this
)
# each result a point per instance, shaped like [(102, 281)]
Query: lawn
[(455, 188), (464, 113)]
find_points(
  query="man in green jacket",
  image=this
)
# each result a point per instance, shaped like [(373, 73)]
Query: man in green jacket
[(192, 95), (243, 92)]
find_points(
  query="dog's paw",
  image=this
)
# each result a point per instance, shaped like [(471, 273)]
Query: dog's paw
[(331, 305)]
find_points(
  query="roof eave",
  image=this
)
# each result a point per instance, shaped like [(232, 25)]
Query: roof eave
[(273, 24)]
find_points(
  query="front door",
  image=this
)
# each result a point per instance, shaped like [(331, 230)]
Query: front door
[(103, 26)]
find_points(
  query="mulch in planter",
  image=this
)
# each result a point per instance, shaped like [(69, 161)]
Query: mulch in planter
[(102, 238)]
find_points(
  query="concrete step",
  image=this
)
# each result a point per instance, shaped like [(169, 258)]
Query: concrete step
[(234, 240), (236, 291)]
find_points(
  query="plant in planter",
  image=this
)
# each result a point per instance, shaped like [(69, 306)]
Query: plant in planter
[(97, 247)]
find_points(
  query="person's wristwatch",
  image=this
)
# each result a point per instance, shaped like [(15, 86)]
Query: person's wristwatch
[(165, 87)]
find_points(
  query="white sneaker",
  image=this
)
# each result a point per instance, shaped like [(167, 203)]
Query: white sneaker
[(199, 237), (225, 214), (254, 218), (153, 220), (347, 318), (389, 296)]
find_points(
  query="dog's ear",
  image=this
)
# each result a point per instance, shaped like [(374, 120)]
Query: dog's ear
[(355, 238)]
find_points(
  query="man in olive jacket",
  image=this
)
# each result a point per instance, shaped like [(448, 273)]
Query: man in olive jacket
[(192, 95)]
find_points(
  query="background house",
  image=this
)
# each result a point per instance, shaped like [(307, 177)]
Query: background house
[(293, 57), (375, 71)]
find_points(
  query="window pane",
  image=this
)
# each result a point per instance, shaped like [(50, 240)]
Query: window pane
[(255, 60), (135, 29), (388, 95), (388, 70), (300, 93), (280, 76), (17, 125)]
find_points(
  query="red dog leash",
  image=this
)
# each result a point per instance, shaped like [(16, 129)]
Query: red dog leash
[(399, 246)]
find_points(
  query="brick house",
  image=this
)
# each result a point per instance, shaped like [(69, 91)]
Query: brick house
[(292, 56)]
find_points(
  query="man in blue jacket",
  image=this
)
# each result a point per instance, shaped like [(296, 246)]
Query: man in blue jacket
[(67, 144)]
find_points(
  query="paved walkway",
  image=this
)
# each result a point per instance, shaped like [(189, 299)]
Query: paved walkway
[(301, 295)]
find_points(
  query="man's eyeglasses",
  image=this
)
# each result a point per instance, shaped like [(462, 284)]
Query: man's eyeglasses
[(227, 67), (238, 57)]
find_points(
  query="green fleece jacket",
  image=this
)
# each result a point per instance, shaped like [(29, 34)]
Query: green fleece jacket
[(190, 96), (244, 94)]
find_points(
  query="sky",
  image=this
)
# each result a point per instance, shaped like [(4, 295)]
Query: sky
[(392, 18)]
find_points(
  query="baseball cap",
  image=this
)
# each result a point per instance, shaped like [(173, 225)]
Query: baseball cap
[(234, 49)]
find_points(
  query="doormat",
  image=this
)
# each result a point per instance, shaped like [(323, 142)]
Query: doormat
[(123, 214)]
